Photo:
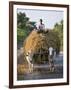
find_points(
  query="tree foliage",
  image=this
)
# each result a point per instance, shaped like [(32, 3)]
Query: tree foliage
[(24, 26), (22, 20), (59, 29)]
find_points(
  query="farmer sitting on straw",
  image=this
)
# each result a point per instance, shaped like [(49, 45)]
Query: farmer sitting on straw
[(41, 26)]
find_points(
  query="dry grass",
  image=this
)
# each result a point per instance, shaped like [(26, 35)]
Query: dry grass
[(22, 69), (35, 41)]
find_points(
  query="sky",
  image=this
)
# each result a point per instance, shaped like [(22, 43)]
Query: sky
[(49, 17)]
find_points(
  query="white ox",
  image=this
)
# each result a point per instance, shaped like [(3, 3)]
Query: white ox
[(29, 57), (51, 56)]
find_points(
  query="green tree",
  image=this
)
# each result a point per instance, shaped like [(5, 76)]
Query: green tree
[(22, 20), (58, 27), (24, 27)]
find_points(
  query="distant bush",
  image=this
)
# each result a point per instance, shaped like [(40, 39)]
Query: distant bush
[(58, 28), (21, 35)]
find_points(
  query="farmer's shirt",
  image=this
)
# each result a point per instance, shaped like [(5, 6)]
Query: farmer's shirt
[(41, 27)]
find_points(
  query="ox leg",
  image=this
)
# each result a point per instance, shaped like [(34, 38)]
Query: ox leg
[(30, 67), (51, 65)]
